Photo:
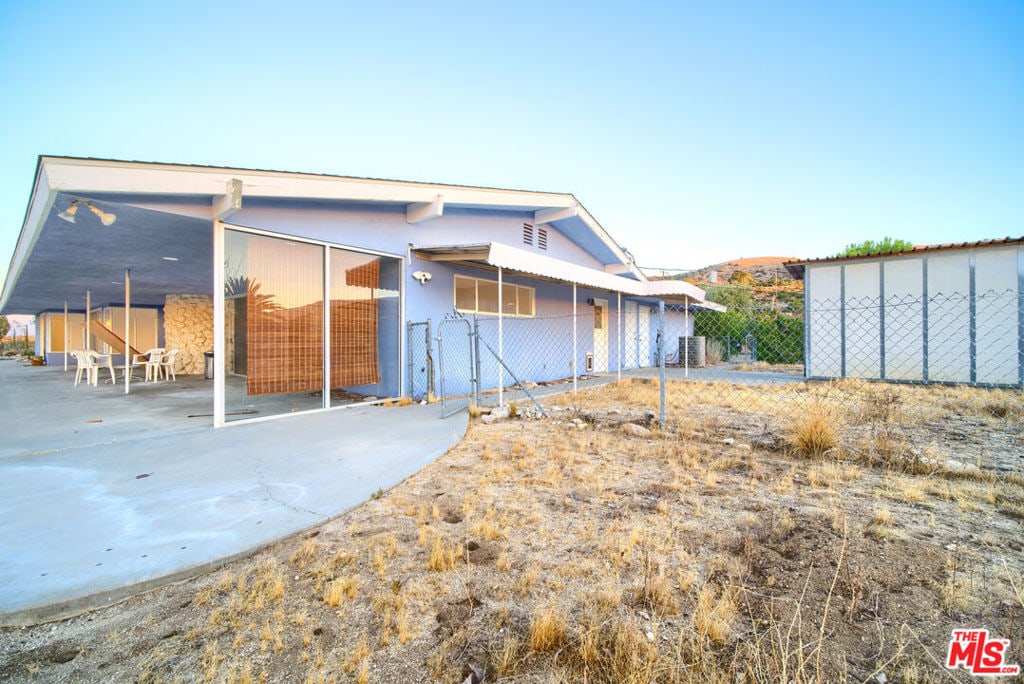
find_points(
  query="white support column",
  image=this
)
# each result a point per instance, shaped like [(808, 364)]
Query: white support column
[(67, 335), (219, 347), (127, 329), (574, 373), (326, 402), (501, 340), (88, 319), (618, 333)]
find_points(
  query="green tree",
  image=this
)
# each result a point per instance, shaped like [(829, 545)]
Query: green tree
[(5, 326), (886, 245), (732, 296)]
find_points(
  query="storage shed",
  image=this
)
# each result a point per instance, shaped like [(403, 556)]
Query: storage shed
[(951, 313)]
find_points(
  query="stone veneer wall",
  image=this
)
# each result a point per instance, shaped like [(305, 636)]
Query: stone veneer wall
[(188, 327)]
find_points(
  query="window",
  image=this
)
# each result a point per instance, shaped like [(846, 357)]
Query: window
[(475, 295)]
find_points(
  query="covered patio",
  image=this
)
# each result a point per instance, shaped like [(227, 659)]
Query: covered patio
[(103, 495)]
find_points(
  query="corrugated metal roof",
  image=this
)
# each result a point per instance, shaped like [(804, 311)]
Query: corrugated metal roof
[(796, 267), (503, 256)]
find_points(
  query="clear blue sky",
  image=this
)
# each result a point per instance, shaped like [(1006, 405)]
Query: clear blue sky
[(694, 132)]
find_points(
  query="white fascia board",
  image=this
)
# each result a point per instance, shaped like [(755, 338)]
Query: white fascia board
[(98, 176), (40, 204)]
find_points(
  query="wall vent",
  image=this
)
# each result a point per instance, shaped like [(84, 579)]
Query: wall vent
[(542, 238), (528, 234)]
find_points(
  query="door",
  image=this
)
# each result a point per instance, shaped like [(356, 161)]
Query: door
[(643, 337), (600, 335)]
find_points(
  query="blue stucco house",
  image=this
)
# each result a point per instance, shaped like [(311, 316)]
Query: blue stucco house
[(242, 262)]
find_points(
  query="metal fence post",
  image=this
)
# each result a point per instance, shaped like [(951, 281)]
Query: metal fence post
[(409, 354), (430, 365), (475, 347), (661, 356), (440, 358)]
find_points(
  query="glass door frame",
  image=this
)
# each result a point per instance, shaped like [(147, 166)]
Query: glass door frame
[(220, 308)]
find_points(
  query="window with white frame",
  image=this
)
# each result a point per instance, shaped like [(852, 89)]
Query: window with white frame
[(476, 295)]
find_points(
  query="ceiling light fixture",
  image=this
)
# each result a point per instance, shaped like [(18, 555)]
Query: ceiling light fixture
[(169, 258), (68, 214)]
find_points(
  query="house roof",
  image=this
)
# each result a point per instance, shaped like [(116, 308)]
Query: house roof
[(498, 255), (797, 267), (168, 209)]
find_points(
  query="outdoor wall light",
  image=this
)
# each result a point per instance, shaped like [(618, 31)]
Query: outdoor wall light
[(69, 213), (422, 276)]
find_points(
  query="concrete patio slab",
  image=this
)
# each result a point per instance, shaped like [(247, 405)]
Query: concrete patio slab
[(92, 512)]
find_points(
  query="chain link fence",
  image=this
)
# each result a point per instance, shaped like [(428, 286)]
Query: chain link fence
[(420, 371), (893, 368)]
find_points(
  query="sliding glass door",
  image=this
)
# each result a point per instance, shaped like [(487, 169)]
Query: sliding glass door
[(276, 329)]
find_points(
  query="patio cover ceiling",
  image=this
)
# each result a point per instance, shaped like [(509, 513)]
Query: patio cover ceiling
[(166, 253), (496, 255)]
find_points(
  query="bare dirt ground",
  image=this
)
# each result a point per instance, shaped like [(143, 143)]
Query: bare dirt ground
[(771, 534)]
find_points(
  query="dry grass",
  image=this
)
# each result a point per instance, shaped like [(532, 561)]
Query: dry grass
[(881, 524), (543, 554), (547, 630), (814, 432), (443, 556)]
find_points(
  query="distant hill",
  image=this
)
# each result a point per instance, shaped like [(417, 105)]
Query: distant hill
[(773, 286), (764, 269)]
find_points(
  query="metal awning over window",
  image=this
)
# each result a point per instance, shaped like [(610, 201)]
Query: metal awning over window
[(497, 255)]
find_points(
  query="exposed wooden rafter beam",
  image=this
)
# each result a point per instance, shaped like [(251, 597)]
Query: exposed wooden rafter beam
[(557, 214), (424, 211), (227, 204)]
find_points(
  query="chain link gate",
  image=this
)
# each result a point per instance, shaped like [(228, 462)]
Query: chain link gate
[(421, 360), (456, 365)]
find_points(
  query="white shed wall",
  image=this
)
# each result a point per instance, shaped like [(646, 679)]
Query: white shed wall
[(995, 288), (949, 317), (863, 321), (825, 322), (904, 319), (939, 317)]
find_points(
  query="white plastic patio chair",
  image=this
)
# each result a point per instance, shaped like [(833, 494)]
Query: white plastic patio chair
[(153, 365), (167, 365), (101, 361), (150, 360), (85, 364)]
